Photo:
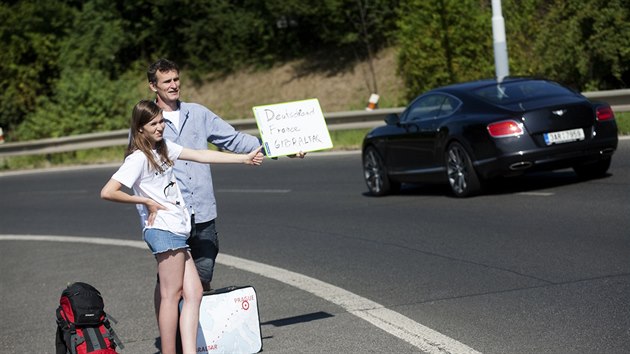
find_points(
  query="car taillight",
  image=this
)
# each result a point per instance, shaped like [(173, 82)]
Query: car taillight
[(505, 128), (604, 113)]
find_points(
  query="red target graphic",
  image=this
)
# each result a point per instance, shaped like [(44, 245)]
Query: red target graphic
[(245, 305)]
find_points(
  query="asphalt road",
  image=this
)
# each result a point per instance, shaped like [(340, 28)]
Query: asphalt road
[(538, 265)]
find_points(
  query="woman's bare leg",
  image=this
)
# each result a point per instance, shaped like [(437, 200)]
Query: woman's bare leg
[(189, 319), (171, 266)]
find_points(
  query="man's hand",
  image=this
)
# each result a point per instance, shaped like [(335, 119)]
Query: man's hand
[(300, 155)]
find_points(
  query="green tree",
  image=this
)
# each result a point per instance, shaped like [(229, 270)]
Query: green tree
[(96, 39), (71, 67), (586, 43), (29, 55), (334, 23), (443, 42), (92, 92), (219, 35), (523, 23)]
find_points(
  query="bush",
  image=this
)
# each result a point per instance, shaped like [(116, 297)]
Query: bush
[(84, 102)]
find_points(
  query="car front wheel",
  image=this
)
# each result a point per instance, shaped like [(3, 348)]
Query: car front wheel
[(460, 173), (375, 173)]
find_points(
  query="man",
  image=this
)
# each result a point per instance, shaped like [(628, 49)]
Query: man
[(194, 126)]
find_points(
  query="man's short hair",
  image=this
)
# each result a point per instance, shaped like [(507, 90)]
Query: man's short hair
[(162, 65)]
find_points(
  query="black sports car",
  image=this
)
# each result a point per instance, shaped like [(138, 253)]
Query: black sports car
[(468, 133)]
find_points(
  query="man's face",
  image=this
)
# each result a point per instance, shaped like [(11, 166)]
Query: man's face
[(166, 86)]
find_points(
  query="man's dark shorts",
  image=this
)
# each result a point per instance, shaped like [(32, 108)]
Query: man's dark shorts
[(204, 247)]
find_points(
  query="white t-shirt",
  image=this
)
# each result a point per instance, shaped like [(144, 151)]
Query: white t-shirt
[(137, 174), (173, 116)]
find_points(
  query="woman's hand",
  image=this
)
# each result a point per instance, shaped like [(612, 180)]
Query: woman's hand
[(255, 157), (153, 207)]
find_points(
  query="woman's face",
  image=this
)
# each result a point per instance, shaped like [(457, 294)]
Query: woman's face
[(154, 129)]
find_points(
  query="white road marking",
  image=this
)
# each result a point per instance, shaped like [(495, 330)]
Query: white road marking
[(414, 333), (537, 194)]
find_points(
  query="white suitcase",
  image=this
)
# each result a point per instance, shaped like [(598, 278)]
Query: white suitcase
[(229, 321)]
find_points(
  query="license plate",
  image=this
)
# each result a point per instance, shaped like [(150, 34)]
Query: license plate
[(564, 136)]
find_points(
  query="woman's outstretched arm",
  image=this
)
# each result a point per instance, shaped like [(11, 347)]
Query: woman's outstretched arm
[(209, 156)]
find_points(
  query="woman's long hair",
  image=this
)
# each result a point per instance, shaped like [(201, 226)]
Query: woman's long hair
[(143, 112)]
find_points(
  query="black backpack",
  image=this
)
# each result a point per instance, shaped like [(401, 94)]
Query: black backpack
[(82, 324)]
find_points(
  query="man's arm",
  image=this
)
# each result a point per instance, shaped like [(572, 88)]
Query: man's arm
[(225, 137)]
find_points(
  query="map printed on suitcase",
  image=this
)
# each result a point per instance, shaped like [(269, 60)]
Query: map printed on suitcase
[(229, 321)]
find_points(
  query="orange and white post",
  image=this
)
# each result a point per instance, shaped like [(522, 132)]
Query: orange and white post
[(372, 102)]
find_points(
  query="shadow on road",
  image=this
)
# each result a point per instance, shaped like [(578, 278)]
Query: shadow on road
[(532, 182)]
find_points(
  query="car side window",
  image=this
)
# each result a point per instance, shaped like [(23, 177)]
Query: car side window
[(427, 107), (449, 105)]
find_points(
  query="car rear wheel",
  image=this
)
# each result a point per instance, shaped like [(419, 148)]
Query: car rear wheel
[(375, 174), (593, 170), (460, 173)]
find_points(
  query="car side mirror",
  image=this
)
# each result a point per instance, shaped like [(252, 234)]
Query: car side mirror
[(392, 119)]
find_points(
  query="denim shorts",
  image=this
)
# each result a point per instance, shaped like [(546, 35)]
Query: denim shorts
[(160, 241)]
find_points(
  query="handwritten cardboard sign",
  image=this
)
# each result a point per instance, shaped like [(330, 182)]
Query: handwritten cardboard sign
[(291, 127)]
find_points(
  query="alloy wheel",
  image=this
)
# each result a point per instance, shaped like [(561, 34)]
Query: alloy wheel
[(374, 173), (461, 175)]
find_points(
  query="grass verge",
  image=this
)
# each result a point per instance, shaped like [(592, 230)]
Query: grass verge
[(623, 122), (80, 157)]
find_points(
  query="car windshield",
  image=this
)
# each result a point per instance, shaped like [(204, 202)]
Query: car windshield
[(518, 91)]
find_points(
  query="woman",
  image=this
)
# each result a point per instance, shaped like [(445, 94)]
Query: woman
[(148, 170)]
